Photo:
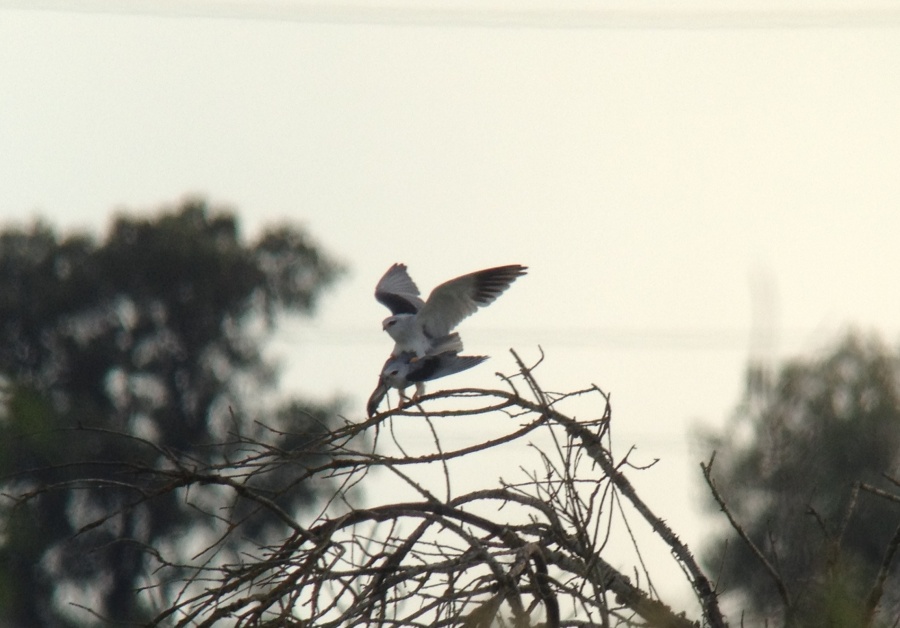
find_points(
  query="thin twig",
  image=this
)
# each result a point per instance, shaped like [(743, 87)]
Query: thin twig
[(770, 569), (874, 597)]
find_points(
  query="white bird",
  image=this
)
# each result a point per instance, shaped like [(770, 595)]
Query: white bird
[(421, 326), (403, 370)]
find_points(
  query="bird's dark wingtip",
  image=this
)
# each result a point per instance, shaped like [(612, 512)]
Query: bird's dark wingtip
[(396, 303)]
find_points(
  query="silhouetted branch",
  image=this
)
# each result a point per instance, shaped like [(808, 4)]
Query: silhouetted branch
[(528, 552), (875, 593), (874, 597), (772, 571), (880, 492)]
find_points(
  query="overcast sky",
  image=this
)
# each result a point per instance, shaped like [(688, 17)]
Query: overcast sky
[(686, 185)]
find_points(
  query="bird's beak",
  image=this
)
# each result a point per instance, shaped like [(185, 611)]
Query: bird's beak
[(383, 325), (377, 395)]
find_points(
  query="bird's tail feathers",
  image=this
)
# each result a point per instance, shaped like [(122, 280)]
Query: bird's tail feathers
[(450, 343)]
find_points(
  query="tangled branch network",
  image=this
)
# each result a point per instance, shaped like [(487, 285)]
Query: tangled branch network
[(523, 553)]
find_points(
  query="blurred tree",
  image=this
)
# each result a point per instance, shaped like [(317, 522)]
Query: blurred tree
[(788, 468), (155, 332)]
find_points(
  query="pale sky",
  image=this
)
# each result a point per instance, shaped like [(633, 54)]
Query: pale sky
[(651, 167)]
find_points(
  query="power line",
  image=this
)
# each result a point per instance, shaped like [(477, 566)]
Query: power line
[(589, 338), (615, 16)]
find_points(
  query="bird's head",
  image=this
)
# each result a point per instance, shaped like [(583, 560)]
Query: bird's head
[(396, 323)]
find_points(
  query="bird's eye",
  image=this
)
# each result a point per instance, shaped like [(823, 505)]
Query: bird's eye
[(391, 323), (394, 372)]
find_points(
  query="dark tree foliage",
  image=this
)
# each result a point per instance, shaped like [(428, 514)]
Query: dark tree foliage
[(154, 331), (789, 468)]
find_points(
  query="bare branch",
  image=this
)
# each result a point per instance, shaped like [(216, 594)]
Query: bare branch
[(528, 552), (874, 597), (772, 571)]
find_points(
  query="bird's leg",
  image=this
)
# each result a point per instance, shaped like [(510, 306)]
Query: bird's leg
[(401, 392), (420, 390)]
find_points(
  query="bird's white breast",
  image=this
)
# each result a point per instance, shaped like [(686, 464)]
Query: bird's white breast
[(407, 334)]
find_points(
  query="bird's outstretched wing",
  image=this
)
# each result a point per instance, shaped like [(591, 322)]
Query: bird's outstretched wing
[(397, 291), (434, 367), (405, 369), (454, 300)]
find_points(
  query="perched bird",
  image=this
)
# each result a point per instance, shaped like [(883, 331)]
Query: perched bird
[(401, 371), (419, 326)]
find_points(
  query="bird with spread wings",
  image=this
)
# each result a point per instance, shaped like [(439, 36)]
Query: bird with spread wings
[(426, 347), (419, 326)]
